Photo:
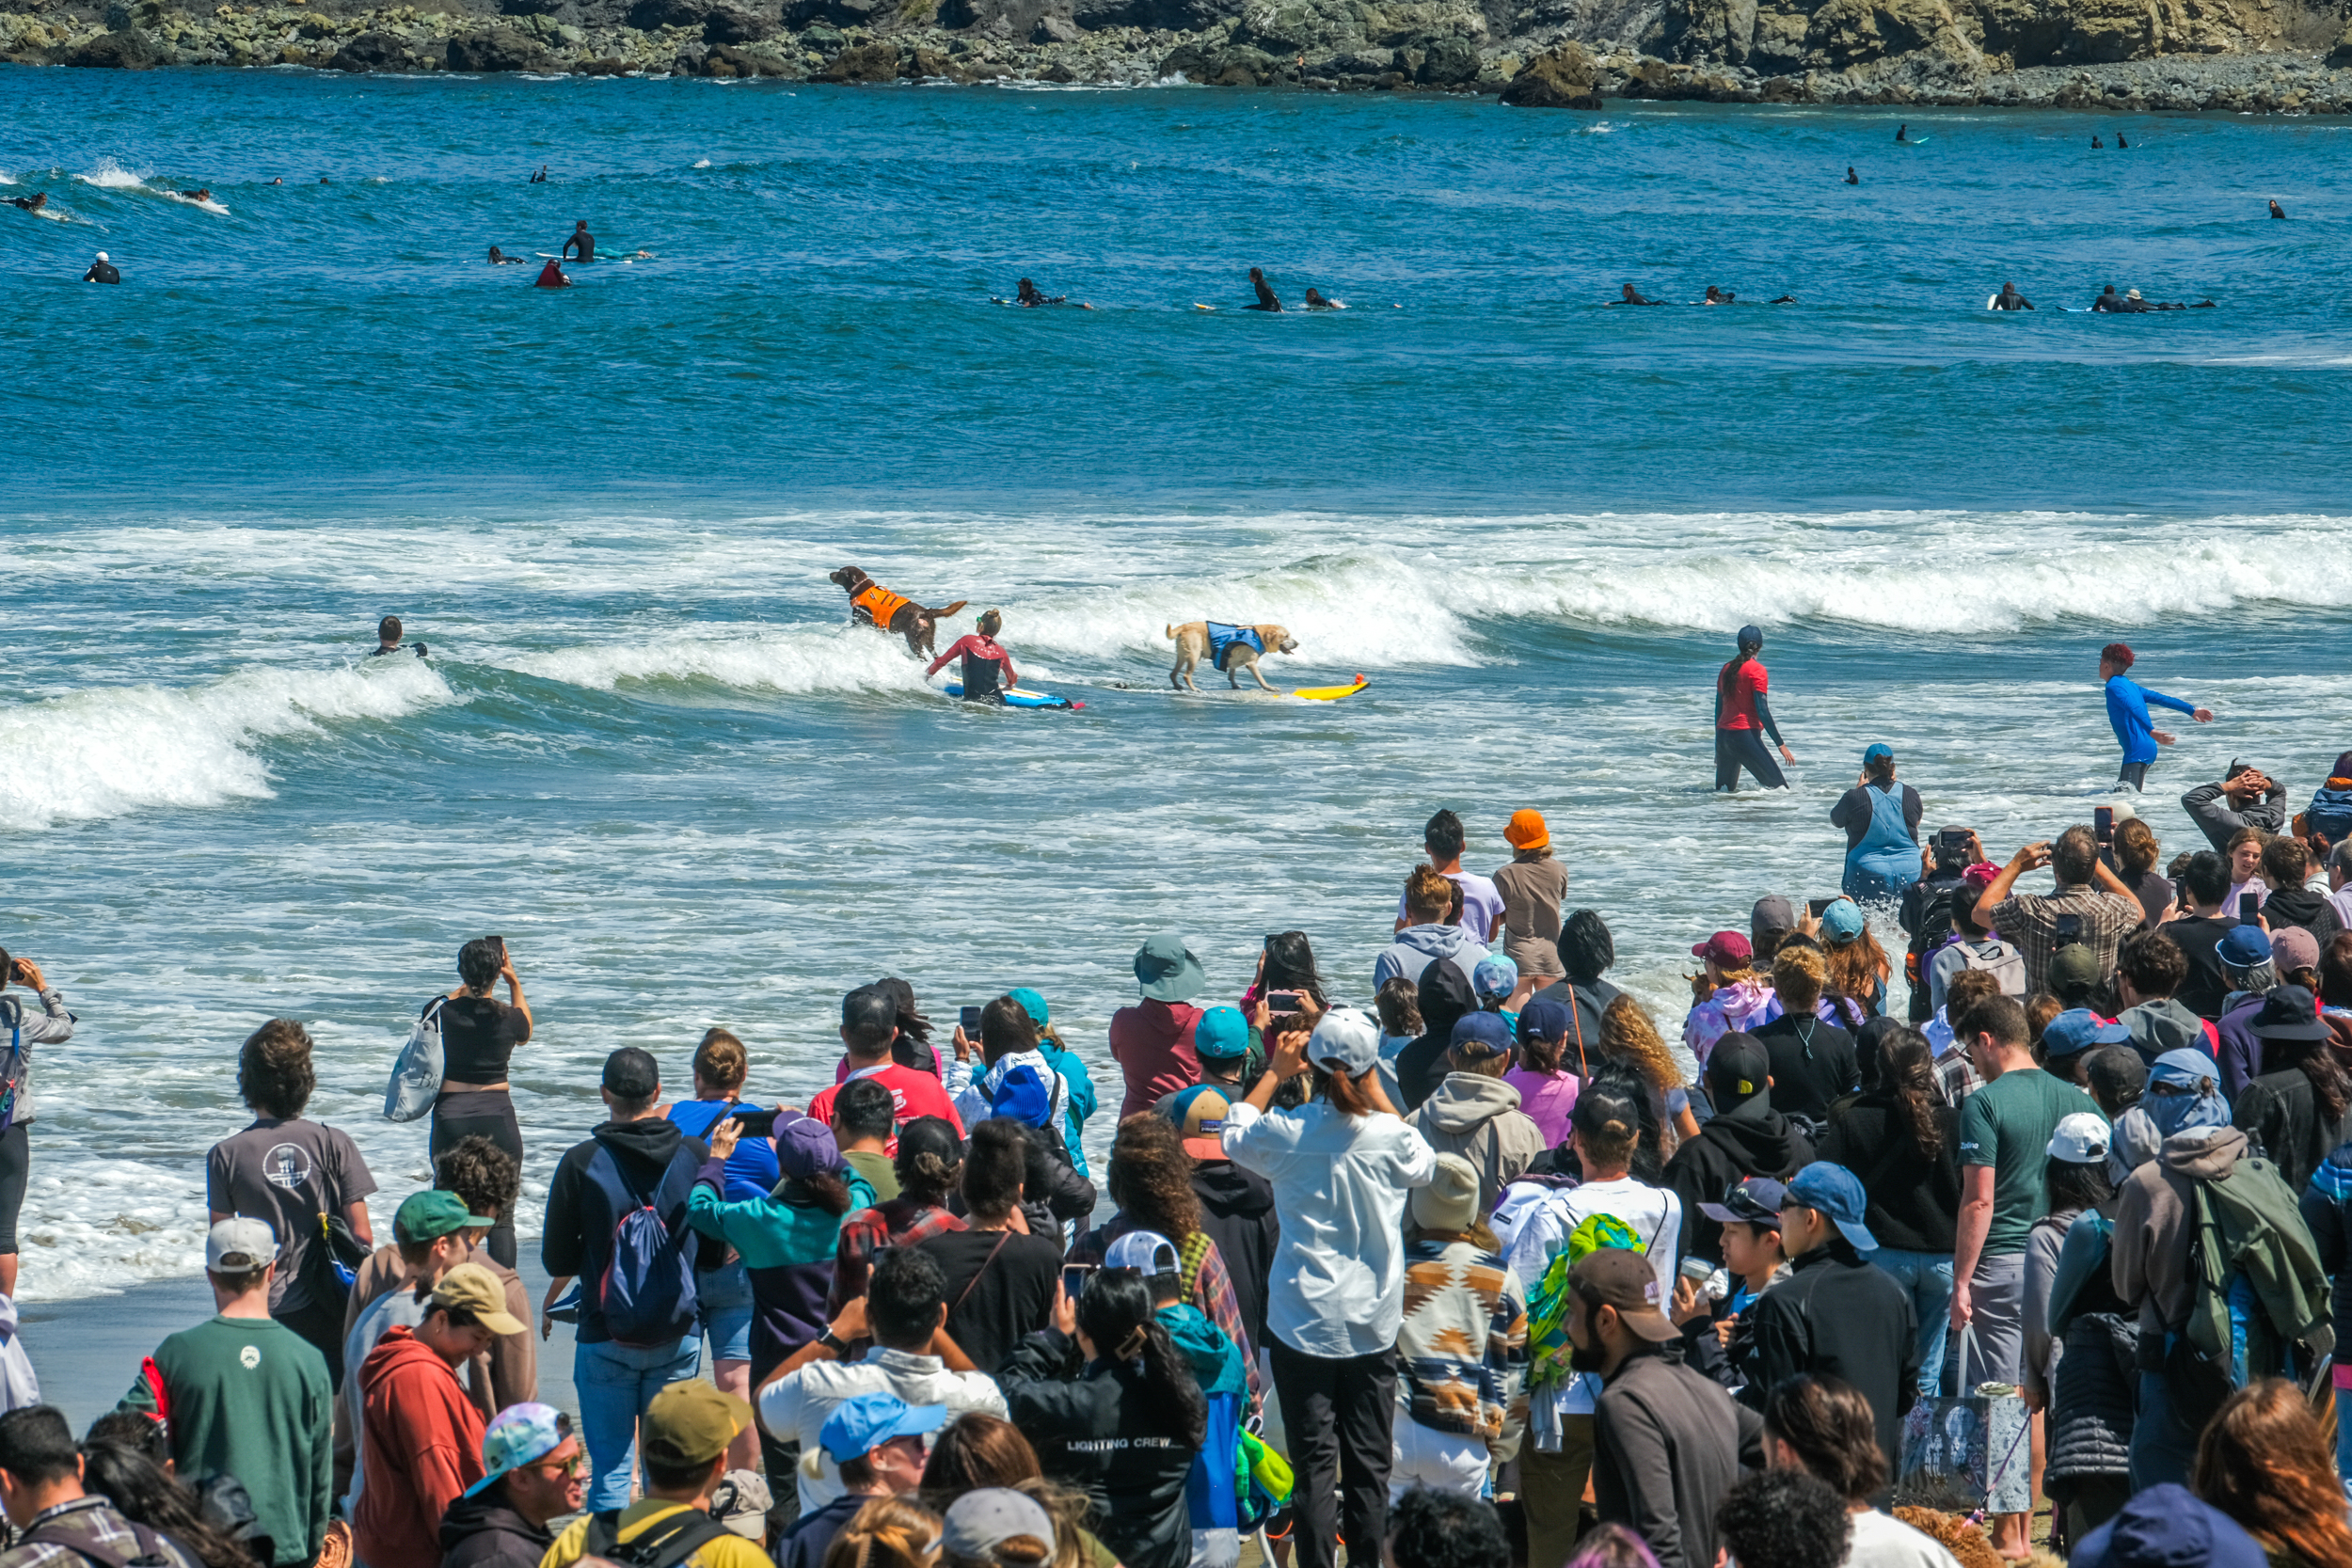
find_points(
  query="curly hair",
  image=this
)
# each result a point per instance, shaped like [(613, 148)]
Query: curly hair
[(1907, 1075), (1629, 1034), (479, 1171), (1784, 1519), (2264, 1460), (1151, 1177), (1445, 1530), (274, 1071)]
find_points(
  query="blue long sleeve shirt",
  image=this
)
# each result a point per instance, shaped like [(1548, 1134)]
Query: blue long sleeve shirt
[(2127, 711)]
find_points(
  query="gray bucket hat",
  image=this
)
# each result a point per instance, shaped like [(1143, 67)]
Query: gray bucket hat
[(1167, 971)]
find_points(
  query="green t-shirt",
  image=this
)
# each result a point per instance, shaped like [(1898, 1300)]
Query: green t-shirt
[(250, 1397), (2006, 1125), (879, 1172)]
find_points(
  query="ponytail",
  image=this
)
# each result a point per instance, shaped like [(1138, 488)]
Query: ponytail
[(1173, 1388), (825, 1189), (1116, 1313), (1729, 676)]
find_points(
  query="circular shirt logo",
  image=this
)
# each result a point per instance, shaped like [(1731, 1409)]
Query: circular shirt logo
[(250, 1356), (287, 1166)]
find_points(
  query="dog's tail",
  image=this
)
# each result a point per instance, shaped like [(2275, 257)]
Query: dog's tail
[(1169, 632), (947, 610)]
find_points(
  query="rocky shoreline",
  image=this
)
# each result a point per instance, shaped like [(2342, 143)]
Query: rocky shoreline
[(1537, 53)]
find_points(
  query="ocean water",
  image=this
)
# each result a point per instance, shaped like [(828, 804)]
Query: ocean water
[(649, 751)]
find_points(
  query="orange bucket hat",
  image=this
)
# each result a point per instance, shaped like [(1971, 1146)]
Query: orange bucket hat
[(1527, 831)]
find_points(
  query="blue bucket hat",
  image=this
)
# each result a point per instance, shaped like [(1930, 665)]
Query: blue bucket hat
[(1837, 1193), (2079, 1029)]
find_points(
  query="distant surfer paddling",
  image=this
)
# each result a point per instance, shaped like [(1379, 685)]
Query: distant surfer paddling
[(102, 271), (1027, 296), (35, 203), (500, 259), (203, 194), (581, 240), (387, 640), (988, 671), (1743, 718), (1629, 295), (2009, 299), (551, 277), (2277, 211), (1266, 292), (1319, 302)]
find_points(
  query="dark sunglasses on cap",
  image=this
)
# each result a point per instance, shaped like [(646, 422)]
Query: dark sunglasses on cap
[(1745, 1205)]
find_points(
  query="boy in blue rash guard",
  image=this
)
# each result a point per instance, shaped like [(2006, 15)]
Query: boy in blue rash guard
[(2127, 711)]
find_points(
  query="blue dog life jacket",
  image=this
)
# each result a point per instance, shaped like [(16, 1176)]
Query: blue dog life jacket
[(1222, 638)]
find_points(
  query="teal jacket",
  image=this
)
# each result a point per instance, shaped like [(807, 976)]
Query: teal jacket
[(787, 1242), (1080, 1107), (1216, 1361)]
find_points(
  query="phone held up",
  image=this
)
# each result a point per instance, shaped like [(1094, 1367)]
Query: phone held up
[(2102, 823), (2249, 908), (1818, 906), (1282, 1004), (970, 1019), (1074, 1279)]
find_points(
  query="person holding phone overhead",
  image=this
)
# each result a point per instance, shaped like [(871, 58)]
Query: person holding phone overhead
[(1743, 718), (1882, 822), (2091, 905), (479, 1034)]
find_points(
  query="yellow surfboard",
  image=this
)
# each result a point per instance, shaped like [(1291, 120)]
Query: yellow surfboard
[(1330, 694)]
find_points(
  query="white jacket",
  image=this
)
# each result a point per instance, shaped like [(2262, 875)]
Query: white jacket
[(1337, 1287), (794, 1407)]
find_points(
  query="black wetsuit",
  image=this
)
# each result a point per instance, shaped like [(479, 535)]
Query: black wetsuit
[(2108, 303), (1265, 296), (585, 241), (30, 203), (380, 651), (1634, 297), (983, 679), (101, 272), (2009, 299)]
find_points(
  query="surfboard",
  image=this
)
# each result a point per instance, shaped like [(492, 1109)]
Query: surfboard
[(1330, 694), (1018, 697), (1198, 306)]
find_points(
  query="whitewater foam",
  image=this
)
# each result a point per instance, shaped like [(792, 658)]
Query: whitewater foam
[(112, 176), (798, 662), (113, 750)]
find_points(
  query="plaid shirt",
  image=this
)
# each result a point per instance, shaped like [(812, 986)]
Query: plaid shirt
[(897, 1222), (1208, 1286), (2030, 919), (53, 1537), (1956, 1076)]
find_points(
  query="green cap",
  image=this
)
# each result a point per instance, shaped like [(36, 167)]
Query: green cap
[(433, 1214)]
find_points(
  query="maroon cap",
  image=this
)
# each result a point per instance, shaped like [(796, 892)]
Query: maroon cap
[(1726, 949)]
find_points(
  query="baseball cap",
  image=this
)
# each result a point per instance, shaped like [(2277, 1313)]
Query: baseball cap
[(1772, 913), (1754, 1201), (2080, 1139), (2288, 1013), (470, 1287), (2116, 1077), (2243, 946), (2168, 1526), (632, 1074), (1496, 976), (2073, 968), (1728, 949), (806, 1147), (1147, 1252), (1198, 1114), (1345, 1040), (1546, 1019), (2079, 1029), (691, 1422), (1167, 970), (1842, 921), (741, 1501), (433, 1213), (1751, 637), (979, 1519), (2292, 947), (240, 1246), (1615, 1277), (1738, 1069), (933, 1135), (1033, 1005), (518, 1435), (1480, 1037), (1878, 750), (1837, 1193), (1527, 831), (864, 1422), (1222, 1035), (1450, 1199)]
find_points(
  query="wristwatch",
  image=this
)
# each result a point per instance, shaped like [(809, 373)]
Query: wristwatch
[(833, 1342)]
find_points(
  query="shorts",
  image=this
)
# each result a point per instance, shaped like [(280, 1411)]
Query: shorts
[(1440, 1461), (1993, 1342), (723, 1311)]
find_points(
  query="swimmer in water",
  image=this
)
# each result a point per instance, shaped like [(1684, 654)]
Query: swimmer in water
[(387, 640), (551, 277), (1026, 295), (541, 177), (2009, 299), (1902, 133), (1266, 292), (1716, 296), (102, 271), (1317, 302), (500, 259), (1628, 295), (1852, 178), (2121, 143), (35, 203), (279, 181), (2277, 211), (582, 239), (204, 194), (2097, 144), (2110, 302)]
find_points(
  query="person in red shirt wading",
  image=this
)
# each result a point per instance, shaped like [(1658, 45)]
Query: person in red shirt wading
[(1743, 718), (988, 671)]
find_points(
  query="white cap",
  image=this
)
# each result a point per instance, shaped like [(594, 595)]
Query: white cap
[(102, 255), (1147, 1252), (240, 1246), (1347, 1041), (2081, 1138)]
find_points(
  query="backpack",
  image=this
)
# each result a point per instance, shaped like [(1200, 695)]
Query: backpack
[(647, 1292), (664, 1544), (13, 1062), (417, 1071), (2260, 1291)]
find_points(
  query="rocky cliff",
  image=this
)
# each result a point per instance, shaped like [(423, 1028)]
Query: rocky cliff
[(2268, 55)]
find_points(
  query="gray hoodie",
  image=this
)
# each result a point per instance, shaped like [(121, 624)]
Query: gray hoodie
[(2163, 1025), (1416, 945), (1479, 1118), (2155, 1220)]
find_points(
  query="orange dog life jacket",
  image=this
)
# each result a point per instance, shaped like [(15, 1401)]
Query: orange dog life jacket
[(879, 604)]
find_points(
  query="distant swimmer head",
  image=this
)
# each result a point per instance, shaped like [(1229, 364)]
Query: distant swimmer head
[(2277, 211), (1852, 178), (1257, 275), (1715, 295), (2116, 658), (991, 622), (1751, 639), (497, 255), (387, 631), (1626, 293)]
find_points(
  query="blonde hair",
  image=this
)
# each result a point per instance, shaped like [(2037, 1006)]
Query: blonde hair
[(1798, 974), (888, 1532), (1627, 1034)]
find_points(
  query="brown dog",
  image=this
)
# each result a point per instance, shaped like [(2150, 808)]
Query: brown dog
[(872, 605), (1192, 646)]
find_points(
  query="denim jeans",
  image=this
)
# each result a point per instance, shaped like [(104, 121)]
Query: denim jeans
[(615, 1383), (723, 1311), (1926, 1279), (2163, 1446)]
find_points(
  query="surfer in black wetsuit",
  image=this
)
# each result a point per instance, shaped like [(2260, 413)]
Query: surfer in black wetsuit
[(500, 259), (1266, 292), (582, 239), (387, 640), (2009, 299), (1029, 296), (2110, 302), (2096, 145), (2277, 211), (988, 671), (204, 194), (1316, 302), (1716, 296), (1852, 178), (102, 271), (35, 203), (541, 177), (2121, 143), (1902, 133), (1630, 296)]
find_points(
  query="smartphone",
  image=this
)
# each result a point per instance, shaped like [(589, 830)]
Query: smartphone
[(2102, 823), (1697, 1268), (1283, 1002), (1951, 840), (2249, 908), (970, 1019), (756, 1124), (1074, 1279), (2069, 928), (1818, 906)]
